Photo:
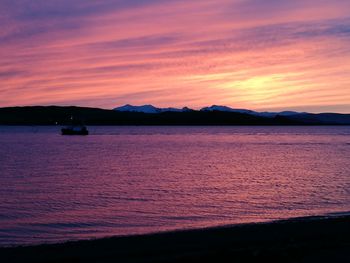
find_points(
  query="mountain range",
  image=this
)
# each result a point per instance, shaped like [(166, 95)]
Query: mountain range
[(151, 115), (152, 109), (149, 109)]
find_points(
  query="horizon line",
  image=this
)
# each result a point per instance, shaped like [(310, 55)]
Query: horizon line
[(175, 107)]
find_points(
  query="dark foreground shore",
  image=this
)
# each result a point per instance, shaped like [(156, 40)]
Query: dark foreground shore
[(313, 239)]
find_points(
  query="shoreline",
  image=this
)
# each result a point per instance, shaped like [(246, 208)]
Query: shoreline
[(304, 239), (37, 115)]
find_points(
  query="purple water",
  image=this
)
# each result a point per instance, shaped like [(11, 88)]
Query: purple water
[(129, 180)]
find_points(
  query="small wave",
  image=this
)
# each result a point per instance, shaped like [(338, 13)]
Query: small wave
[(184, 218)]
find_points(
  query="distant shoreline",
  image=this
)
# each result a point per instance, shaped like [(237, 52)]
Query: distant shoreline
[(55, 115), (177, 125), (306, 239)]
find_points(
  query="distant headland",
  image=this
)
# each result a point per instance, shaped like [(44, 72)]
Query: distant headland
[(151, 115)]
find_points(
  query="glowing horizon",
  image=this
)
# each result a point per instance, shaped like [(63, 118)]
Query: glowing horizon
[(255, 54)]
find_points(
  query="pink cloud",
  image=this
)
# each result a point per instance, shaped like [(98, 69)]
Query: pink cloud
[(254, 54)]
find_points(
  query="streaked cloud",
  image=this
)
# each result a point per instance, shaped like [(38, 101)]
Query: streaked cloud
[(242, 53)]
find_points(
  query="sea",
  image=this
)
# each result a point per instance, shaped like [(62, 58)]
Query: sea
[(127, 180)]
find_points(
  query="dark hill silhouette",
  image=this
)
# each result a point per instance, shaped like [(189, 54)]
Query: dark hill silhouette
[(56, 115)]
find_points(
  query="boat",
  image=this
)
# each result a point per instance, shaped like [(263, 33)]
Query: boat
[(75, 130), (76, 127)]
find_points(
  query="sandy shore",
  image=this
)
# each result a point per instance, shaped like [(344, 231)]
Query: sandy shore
[(312, 239)]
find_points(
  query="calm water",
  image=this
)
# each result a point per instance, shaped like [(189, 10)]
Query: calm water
[(128, 180)]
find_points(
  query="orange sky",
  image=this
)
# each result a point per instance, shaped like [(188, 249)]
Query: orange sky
[(255, 54)]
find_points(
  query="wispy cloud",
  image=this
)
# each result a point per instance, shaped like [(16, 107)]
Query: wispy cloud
[(256, 54)]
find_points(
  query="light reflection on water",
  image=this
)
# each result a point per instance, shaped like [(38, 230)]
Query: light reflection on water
[(128, 180)]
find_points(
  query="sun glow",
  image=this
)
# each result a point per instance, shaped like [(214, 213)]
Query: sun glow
[(265, 88), (183, 53)]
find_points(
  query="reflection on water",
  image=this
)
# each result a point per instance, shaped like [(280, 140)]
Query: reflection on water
[(127, 180)]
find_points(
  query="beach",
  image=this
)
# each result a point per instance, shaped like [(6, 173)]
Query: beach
[(308, 239)]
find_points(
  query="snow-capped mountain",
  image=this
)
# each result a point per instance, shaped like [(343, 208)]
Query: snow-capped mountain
[(152, 109), (143, 108), (149, 109), (262, 114), (225, 108)]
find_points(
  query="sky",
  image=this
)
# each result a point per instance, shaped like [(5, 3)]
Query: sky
[(254, 54)]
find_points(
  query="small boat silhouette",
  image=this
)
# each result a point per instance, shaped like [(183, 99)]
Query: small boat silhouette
[(75, 129)]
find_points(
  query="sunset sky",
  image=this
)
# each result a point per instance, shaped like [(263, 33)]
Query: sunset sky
[(255, 54)]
